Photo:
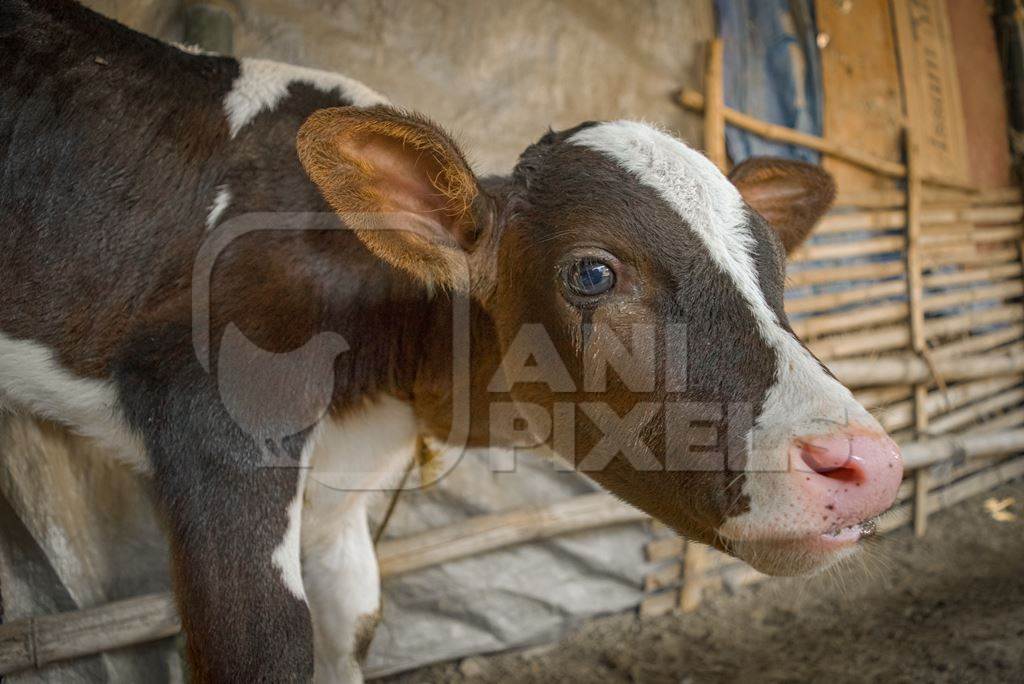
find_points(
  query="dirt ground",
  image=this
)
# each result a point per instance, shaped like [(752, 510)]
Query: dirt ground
[(948, 607)]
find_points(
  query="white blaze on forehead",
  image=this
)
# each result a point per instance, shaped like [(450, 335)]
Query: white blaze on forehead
[(261, 84), (803, 399), (705, 199), (700, 194)]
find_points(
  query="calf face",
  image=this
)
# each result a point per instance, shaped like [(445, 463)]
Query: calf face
[(636, 296)]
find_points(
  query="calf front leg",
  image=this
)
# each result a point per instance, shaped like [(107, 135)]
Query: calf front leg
[(342, 580), (232, 511), (237, 574), (359, 456)]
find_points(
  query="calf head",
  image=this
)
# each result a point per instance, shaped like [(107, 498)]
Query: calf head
[(636, 298)]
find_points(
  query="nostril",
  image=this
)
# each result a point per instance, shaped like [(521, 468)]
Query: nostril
[(842, 467), (843, 474)]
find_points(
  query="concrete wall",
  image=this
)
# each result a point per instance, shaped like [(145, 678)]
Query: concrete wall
[(495, 73)]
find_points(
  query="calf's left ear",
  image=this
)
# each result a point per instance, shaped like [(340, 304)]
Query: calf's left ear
[(401, 183), (791, 195)]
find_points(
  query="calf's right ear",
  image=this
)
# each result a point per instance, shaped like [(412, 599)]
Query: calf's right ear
[(401, 183), (791, 195)]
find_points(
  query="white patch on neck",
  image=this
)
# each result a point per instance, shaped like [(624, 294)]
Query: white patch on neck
[(342, 462), (221, 201), (803, 399), (261, 84), (32, 379), (365, 451)]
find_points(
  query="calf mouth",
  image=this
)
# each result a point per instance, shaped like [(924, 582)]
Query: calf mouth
[(802, 554)]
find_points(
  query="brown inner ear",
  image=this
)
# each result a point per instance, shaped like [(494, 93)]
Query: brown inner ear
[(400, 182), (407, 175)]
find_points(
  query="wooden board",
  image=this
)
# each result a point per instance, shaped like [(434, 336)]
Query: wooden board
[(931, 88), (982, 92), (863, 105)]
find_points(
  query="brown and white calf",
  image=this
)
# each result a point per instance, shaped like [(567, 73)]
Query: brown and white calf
[(621, 298)]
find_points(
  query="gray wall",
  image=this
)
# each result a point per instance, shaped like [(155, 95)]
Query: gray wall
[(495, 73)]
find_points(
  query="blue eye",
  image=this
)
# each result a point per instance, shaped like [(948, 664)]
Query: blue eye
[(590, 277)]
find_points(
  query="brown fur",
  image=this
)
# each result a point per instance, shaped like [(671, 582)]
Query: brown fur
[(365, 628)]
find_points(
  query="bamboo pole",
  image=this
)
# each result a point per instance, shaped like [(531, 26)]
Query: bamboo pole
[(694, 563), (915, 293), (932, 217), (974, 275), (997, 292), (961, 235), (871, 341), (978, 344), (1011, 419), (915, 288), (832, 300), (854, 319), (943, 475), (818, 275), (968, 257), (491, 532), (37, 642), (714, 112), (861, 221), (696, 102), (894, 337), (663, 577), (663, 549), (845, 250), (929, 452), (922, 484), (955, 493), (943, 234), (951, 325), (874, 398), (901, 413), (908, 369), (977, 412), (881, 199), (963, 393)]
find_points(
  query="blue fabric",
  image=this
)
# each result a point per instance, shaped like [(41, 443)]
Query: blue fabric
[(771, 71)]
